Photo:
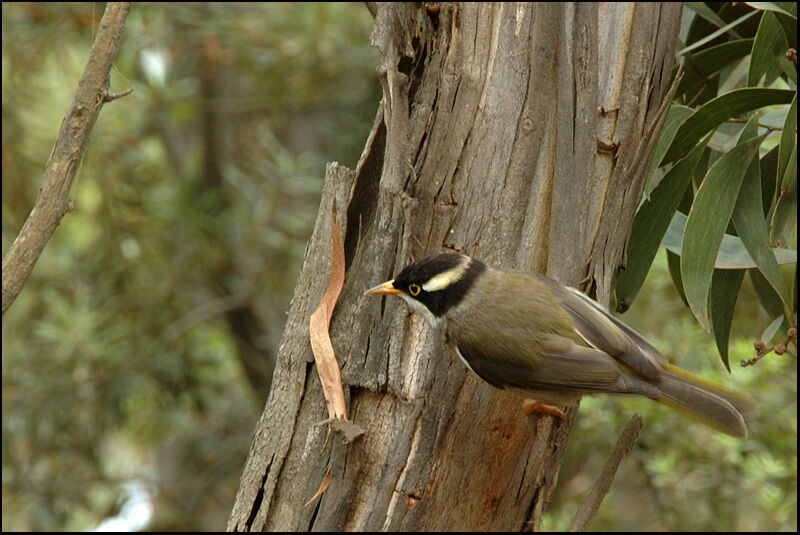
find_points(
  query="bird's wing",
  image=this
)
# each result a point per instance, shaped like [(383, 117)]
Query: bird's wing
[(531, 341), (603, 331), (563, 367)]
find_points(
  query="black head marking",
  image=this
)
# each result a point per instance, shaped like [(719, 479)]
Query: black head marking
[(413, 278)]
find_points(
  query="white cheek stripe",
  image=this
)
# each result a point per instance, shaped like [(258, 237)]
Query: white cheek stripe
[(443, 280)]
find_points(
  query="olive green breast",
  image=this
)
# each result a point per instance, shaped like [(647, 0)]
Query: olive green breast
[(507, 314)]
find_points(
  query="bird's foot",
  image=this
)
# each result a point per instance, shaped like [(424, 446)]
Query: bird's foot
[(529, 406)]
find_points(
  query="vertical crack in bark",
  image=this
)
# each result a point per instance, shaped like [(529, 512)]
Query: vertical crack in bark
[(497, 20), (314, 514), (397, 492), (259, 496), (364, 200), (522, 479), (528, 521)]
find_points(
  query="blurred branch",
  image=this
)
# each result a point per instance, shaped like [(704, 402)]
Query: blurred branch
[(207, 310), (53, 200), (588, 509)]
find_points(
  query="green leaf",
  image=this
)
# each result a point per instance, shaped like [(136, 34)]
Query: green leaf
[(705, 226), (649, 225), (769, 300), (789, 24), (750, 129), (675, 116), (769, 44), (771, 6), (751, 226), (772, 328), (674, 265), (706, 63), (769, 166), (788, 139), (732, 253), (784, 219), (788, 69), (718, 110), (702, 9), (714, 35), (725, 286)]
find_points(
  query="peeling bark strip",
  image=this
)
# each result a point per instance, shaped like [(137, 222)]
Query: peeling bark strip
[(327, 367), (53, 200), (485, 142)]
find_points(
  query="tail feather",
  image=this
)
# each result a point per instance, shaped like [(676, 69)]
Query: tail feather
[(711, 404), (743, 403)]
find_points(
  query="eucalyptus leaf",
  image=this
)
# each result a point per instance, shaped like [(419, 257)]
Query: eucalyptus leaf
[(788, 139), (702, 9), (714, 35), (770, 301), (675, 116), (706, 63), (770, 44), (649, 225), (769, 166), (674, 265), (751, 226), (771, 6), (784, 218), (725, 286), (771, 330), (750, 129), (718, 110), (705, 226), (789, 24), (788, 69), (732, 253)]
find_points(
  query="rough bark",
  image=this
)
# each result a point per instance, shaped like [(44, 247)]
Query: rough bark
[(516, 133)]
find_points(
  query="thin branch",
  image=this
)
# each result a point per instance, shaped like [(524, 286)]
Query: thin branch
[(108, 96), (53, 200), (744, 120), (762, 350), (589, 507)]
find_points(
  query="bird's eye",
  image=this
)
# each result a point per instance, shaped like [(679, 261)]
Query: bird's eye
[(414, 289)]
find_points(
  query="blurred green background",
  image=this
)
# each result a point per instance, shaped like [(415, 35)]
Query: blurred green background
[(137, 358)]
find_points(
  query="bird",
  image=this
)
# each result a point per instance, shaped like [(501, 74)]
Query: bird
[(528, 333)]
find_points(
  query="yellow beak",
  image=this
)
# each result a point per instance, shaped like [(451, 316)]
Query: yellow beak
[(385, 288)]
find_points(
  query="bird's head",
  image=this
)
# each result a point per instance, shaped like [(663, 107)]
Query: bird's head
[(433, 285)]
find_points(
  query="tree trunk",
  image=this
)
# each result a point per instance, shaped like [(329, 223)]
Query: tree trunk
[(516, 133)]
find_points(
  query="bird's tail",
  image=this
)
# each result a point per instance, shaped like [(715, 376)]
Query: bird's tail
[(711, 404)]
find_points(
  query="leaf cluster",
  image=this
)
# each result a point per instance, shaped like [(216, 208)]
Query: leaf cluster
[(721, 194)]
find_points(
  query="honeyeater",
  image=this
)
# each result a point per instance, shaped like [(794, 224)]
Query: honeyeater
[(530, 334)]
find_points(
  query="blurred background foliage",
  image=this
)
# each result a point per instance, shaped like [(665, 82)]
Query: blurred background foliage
[(142, 347), (138, 357)]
